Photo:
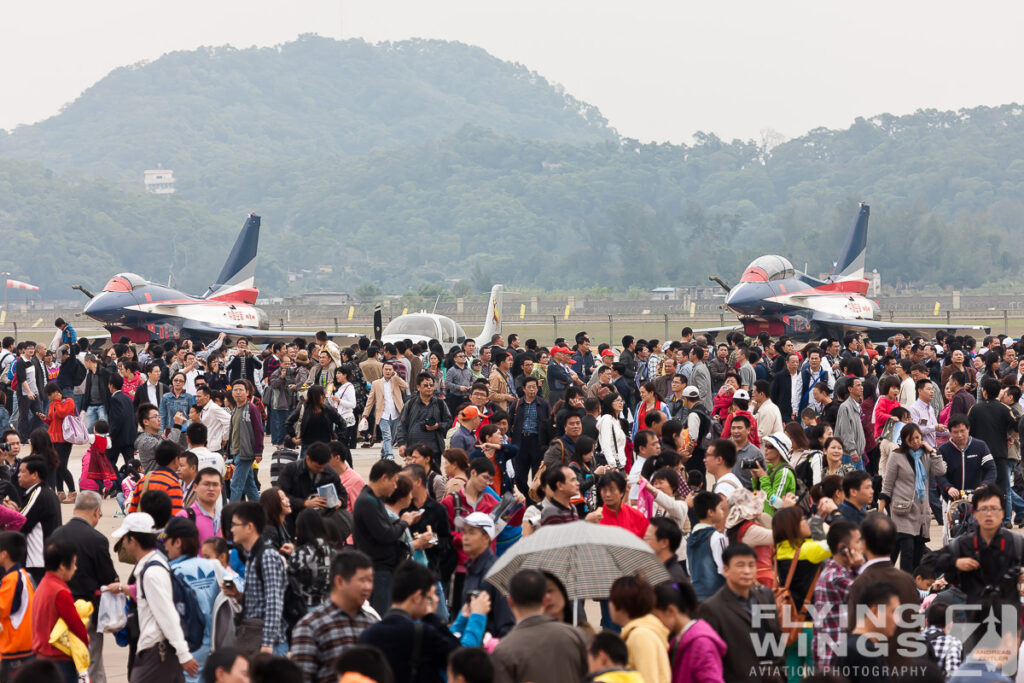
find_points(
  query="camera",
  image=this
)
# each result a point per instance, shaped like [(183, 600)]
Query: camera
[(5, 446), (749, 463), (430, 421)]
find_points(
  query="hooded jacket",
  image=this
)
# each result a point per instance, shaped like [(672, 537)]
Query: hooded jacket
[(697, 654), (647, 641)]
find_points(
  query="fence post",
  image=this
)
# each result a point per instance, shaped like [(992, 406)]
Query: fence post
[(721, 319), (1006, 321), (666, 328), (15, 329), (335, 325), (555, 319), (282, 324), (611, 331), (947, 317)]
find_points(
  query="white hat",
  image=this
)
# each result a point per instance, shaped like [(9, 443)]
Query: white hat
[(781, 442), (741, 394), (691, 392), (482, 521), (136, 522)]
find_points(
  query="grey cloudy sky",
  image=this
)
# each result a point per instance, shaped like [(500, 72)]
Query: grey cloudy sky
[(657, 70)]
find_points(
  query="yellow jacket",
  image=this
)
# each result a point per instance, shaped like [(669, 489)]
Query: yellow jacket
[(647, 641), (67, 642)]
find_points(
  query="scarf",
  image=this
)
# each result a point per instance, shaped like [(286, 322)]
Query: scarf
[(920, 477)]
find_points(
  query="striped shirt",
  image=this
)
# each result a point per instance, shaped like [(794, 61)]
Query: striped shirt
[(160, 479), (322, 635)]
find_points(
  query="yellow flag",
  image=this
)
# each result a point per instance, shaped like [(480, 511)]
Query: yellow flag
[(936, 311), (351, 311), (522, 311), (404, 311), (37, 323), (693, 308), (566, 317)]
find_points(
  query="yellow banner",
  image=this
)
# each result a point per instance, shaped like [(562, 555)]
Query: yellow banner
[(37, 323), (936, 311), (566, 316), (351, 311), (693, 308), (522, 311)]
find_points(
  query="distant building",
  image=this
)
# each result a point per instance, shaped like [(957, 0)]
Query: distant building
[(874, 283), (666, 294), (159, 181), (319, 299)]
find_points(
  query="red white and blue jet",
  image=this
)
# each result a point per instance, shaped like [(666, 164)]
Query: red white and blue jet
[(131, 306), (774, 297)]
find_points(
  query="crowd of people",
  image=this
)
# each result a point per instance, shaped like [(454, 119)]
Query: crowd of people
[(790, 493)]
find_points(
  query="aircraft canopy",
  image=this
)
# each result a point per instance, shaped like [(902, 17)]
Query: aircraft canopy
[(767, 269)]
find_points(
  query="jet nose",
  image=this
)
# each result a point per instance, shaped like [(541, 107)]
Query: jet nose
[(747, 298), (103, 307)]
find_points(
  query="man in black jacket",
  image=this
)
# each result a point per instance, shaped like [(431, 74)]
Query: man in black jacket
[(532, 413), (424, 419), (993, 422), (300, 480), (376, 534), (414, 640), (95, 568), (122, 422), (41, 510), (96, 398), (153, 390), (72, 372)]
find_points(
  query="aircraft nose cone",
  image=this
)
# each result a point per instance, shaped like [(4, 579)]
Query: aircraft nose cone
[(745, 297), (102, 307)]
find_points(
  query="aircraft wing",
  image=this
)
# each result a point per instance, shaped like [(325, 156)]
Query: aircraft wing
[(260, 336), (894, 326), (712, 332)]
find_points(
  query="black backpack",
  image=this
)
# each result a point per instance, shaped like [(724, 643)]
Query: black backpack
[(294, 607)]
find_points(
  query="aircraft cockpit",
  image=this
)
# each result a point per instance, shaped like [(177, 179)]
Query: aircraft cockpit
[(124, 282), (413, 325), (768, 269)]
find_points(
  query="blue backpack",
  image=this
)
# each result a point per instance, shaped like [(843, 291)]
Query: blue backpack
[(193, 621)]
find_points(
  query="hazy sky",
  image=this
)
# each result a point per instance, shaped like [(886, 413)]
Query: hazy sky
[(657, 70)]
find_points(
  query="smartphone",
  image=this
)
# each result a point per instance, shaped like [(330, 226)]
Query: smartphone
[(228, 583)]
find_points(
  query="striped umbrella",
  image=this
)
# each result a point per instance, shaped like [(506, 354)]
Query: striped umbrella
[(586, 558)]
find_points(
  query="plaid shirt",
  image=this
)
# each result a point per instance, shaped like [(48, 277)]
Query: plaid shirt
[(948, 650), (322, 635), (831, 594), (265, 599)]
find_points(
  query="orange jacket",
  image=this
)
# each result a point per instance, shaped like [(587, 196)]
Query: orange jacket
[(16, 625)]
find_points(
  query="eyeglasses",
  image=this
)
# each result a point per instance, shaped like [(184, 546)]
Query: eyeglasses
[(988, 511)]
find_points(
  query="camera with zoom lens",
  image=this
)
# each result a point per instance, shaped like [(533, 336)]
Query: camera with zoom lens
[(749, 463)]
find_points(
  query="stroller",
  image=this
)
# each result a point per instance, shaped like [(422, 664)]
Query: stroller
[(960, 517)]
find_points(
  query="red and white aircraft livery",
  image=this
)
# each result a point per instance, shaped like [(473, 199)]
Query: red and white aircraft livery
[(131, 306), (775, 298)]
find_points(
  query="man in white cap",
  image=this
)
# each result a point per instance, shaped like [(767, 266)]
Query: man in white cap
[(698, 423), (478, 534), (778, 480), (162, 651)]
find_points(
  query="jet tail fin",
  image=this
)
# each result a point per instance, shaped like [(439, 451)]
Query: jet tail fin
[(237, 278), (851, 260), (492, 323)]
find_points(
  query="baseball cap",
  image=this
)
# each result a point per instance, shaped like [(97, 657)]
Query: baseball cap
[(691, 392), (607, 352), (480, 520), (469, 413), (739, 393), (136, 522)]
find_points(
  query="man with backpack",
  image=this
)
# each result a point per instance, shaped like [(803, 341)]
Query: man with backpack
[(162, 649), (262, 628)]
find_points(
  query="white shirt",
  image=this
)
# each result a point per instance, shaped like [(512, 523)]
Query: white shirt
[(158, 618), (151, 392), (923, 415), (908, 392), (796, 387), (190, 381), (390, 412), (727, 484), (208, 458), (218, 423), (769, 419)]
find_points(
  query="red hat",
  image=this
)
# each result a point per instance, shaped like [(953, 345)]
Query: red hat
[(607, 352)]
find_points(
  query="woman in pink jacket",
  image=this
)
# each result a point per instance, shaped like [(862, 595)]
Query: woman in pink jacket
[(695, 649)]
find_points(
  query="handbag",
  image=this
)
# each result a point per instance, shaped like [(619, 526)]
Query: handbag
[(73, 430), (249, 636), (791, 620)]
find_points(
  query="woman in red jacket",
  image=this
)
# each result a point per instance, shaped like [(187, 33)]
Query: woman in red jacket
[(60, 408)]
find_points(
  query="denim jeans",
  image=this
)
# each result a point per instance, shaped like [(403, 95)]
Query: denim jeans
[(243, 482), (388, 429), (380, 599), (277, 429), (92, 414)]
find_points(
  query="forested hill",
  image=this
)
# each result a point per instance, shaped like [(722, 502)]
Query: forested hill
[(415, 163), (311, 97)]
